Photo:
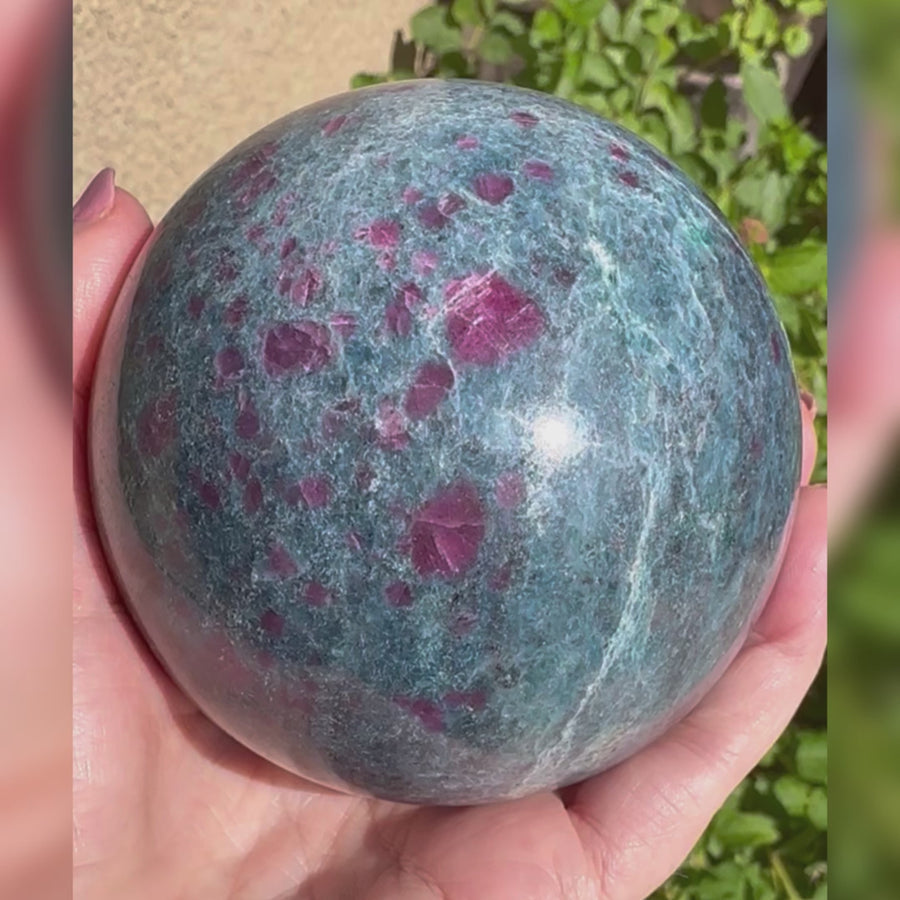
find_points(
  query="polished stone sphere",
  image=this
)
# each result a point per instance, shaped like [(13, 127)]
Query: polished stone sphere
[(444, 442)]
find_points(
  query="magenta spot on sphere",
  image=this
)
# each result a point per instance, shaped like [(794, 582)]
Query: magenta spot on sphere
[(447, 531), (534, 168), (467, 142), (451, 203), (236, 310), (432, 218), (432, 383), (474, 700), (209, 495), (291, 347), (411, 195), (398, 593), (305, 285), (523, 118), (428, 713), (333, 126), (409, 294), (617, 151), (156, 425), (316, 594), (272, 623), (488, 319), (246, 425), (492, 187), (776, 347), (281, 563), (195, 306), (424, 262), (629, 179), (390, 427), (397, 319), (316, 491), (343, 323), (240, 466), (509, 490), (252, 499), (382, 233), (229, 362)]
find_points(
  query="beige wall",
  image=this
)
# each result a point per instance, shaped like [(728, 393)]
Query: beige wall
[(164, 87)]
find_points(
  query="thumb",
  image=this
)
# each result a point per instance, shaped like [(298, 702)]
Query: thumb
[(108, 230)]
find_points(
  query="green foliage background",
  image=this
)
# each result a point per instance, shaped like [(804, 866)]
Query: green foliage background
[(708, 93)]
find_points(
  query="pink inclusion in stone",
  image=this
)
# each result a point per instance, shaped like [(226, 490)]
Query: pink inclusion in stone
[(236, 311), (305, 285), (333, 126), (229, 362), (252, 499), (246, 425), (617, 151), (156, 425), (523, 118), (281, 563), (447, 531), (428, 713), (492, 187), (344, 323), (509, 490), (432, 383), (474, 700), (399, 594), (629, 179), (390, 427), (397, 319), (424, 262), (382, 233), (467, 142), (316, 491), (240, 466), (488, 319), (316, 594), (195, 306), (534, 168), (292, 347), (272, 623), (411, 195)]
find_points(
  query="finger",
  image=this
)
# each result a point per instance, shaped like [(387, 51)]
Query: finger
[(641, 819), (104, 245), (810, 441)]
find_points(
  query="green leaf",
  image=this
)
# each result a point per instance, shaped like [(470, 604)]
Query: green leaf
[(466, 12), (762, 92), (579, 12), (678, 112), (495, 48), (597, 68), (811, 7), (761, 22), (714, 105), (509, 22), (738, 829), (432, 28), (610, 20), (793, 271), (660, 19), (364, 79), (792, 794), (625, 56), (546, 28), (812, 749), (817, 810), (797, 40)]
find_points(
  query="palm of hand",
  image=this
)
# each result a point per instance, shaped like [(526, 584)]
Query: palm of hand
[(166, 805)]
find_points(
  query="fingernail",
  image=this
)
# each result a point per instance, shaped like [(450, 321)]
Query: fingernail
[(807, 399), (98, 198)]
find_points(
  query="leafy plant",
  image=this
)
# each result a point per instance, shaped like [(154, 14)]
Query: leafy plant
[(709, 94)]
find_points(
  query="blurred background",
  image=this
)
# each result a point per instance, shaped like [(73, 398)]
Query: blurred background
[(742, 94)]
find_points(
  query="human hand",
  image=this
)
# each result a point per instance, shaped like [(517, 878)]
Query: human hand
[(167, 805)]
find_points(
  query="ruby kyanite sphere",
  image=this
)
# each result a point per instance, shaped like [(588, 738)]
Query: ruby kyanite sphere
[(444, 442)]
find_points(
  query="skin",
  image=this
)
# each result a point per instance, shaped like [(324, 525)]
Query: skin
[(166, 805)]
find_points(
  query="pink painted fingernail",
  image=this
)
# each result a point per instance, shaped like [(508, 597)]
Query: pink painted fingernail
[(98, 198), (807, 399)]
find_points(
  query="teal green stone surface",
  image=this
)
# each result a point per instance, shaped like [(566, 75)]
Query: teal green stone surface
[(445, 442)]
